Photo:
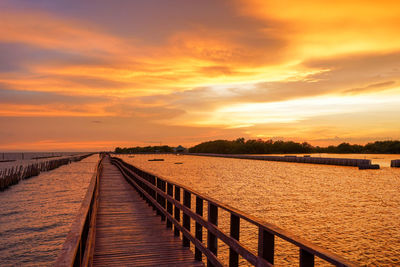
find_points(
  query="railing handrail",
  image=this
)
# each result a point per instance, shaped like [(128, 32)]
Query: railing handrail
[(74, 249), (270, 228)]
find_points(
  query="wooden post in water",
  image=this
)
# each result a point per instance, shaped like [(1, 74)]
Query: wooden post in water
[(177, 211), (199, 228), (186, 217), (212, 241)]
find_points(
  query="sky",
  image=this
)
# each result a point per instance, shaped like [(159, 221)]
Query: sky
[(93, 75)]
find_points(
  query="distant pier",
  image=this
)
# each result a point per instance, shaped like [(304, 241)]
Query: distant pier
[(361, 163), (395, 163)]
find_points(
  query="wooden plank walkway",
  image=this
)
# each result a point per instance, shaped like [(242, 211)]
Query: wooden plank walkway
[(128, 232)]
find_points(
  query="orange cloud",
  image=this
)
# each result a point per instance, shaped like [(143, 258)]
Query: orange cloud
[(47, 31), (321, 28)]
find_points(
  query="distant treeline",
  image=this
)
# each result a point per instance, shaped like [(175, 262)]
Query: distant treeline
[(146, 149), (241, 146)]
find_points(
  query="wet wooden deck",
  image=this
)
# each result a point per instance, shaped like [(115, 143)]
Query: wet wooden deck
[(128, 232)]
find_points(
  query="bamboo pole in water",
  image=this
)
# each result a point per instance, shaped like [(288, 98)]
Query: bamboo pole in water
[(14, 174)]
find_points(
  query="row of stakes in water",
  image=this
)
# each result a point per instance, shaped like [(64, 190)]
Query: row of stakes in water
[(362, 164), (13, 175)]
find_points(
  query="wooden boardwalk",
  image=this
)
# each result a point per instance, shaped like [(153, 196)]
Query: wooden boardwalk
[(115, 227), (128, 232)]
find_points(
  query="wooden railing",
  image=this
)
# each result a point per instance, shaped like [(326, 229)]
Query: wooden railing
[(165, 197), (79, 243)]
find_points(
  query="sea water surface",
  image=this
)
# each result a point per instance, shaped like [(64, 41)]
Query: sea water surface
[(354, 213), (36, 214)]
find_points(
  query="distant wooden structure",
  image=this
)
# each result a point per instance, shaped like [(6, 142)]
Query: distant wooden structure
[(12, 175), (365, 163), (395, 163), (115, 227)]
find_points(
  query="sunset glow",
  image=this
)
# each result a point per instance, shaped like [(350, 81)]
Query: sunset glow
[(95, 75)]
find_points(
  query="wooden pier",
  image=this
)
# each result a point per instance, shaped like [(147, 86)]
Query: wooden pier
[(395, 163), (364, 163), (130, 217), (128, 232)]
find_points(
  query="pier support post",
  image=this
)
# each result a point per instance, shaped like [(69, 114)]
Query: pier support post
[(153, 192), (306, 259), (235, 231), (212, 241), (158, 198), (199, 228), (163, 201), (186, 218), (169, 204), (266, 245), (177, 210)]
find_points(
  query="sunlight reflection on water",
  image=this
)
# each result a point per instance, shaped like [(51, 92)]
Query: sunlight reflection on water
[(353, 213)]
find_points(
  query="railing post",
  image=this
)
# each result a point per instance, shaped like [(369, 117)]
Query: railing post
[(266, 245), (177, 210), (147, 188), (235, 230), (212, 241), (186, 218), (163, 201), (306, 259), (199, 228), (170, 190), (157, 195), (153, 192)]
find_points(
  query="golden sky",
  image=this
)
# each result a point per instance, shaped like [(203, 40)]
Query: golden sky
[(89, 75)]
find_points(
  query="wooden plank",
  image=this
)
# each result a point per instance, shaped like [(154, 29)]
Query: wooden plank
[(128, 232)]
